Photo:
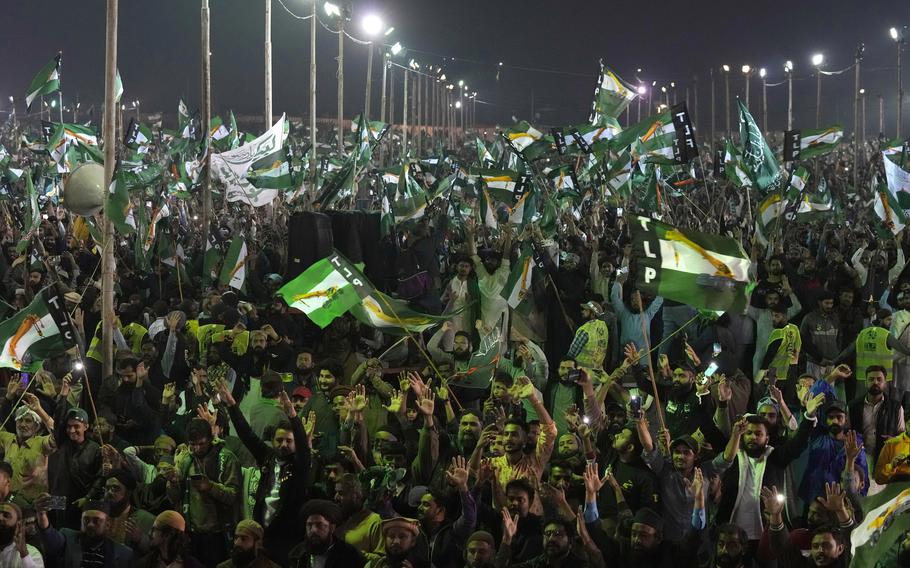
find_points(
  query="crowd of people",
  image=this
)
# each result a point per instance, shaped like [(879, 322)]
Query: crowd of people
[(603, 427)]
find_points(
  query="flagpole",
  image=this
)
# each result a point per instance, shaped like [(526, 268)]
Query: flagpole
[(108, 263), (268, 65), (644, 333), (313, 97), (206, 118)]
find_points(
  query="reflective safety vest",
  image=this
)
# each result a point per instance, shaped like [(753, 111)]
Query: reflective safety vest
[(134, 334), (593, 353), (788, 351), (94, 347), (872, 349)]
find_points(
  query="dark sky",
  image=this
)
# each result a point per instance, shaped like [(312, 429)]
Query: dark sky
[(558, 42)]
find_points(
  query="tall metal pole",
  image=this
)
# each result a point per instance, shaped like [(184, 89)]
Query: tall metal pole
[(695, 98), (268, 66), (713, 112), (790, 100), (727, 106), (764, 104), (748, 81), (382, 102), (418, 118), (366, 103), (313, 96), (404, 115), (206, 118), (341, 83), (108, 264), (900, 86), (856, 142), (881, 116), (818, 98), (864, 119)]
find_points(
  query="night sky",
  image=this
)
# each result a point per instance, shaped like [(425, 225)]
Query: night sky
[(557, 43)]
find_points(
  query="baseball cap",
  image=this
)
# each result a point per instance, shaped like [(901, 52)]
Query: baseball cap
[(302, 392), (77, 414), (687, 440), (593, 306)]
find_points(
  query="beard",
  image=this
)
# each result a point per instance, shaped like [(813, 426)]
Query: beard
[(835, 429), (727, 561), (754, 450), (468, 442), (461, 355), (875, 390), (680, 391), (7, 534), (241, 557), (317, 545)]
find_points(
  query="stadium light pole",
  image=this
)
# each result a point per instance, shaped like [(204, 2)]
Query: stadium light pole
[(332, 10), (788, 69), (642, 90), (747, 71), (862, 95), (726, 69), (268, 65), (313, 94), (763, 73), (817, 60), (897, 34), (373, 26)]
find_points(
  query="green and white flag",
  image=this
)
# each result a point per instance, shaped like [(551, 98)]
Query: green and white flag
[(410, 201), (758, 159), (702, 270), (327, 289), (893, 216), (210, 260), (138, 137), (484, 157), (118, 87), (393, 316), (517, 291), (733, 167), (655, 145), (898, 177), (45, 82), (184, 121), (814, 204), (818, 142), (611, 97), (522, 135), (875, 542), (233, 273), (118, 207), (33, 220), (64, 136), (39, 331), (233, 167)]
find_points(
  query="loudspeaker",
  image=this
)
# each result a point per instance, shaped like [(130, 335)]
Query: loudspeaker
[(309, 240)]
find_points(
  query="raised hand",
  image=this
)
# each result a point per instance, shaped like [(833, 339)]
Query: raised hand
[(202, 412), (286, 405), (593, 482), (814, 403), (357, 400), (572, 418), (309, 425), (724, 390), (458, 473), (417, 384), (442, 391), (395, 401), (403, 383), (852, 446), (522, 388), (509, 526), (739, 427), (225, 393), (834, 498), (168, 393), (427, 403), (772, 501)]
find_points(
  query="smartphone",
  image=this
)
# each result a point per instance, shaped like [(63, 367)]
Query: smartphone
[(716, 349), (635, 407), (23, 379), (712, 368), (57, 503)]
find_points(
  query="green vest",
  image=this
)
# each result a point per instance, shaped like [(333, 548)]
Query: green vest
[(134, 333), (788, 352), (872, 349), (593, 353)]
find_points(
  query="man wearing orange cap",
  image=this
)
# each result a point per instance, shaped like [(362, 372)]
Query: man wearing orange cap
[(170, 543)]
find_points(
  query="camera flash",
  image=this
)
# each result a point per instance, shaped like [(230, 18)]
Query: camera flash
[(780, 498), (78, 366)]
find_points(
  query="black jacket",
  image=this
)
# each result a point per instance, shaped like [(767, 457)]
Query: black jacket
[(886, 424), (339, 555), (777, 462)]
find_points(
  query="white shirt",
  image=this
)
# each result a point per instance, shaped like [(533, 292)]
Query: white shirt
[(9, 557), (748, 511)]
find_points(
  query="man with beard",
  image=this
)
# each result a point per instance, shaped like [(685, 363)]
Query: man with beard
[(130, 397), (266, 352), (879, 416), (492, 269), (304, 370), (14, 552), (446, 537), (247, 551), (405, 546), (731, 548), (26, 451), (321, 548), (900, 329), (264, 412), (329, 374), (90, 546), (284, 468), (571, 388), (783, 346), (630, 315), (129, 525), (170, 543), (758, 464), (207, 483), (75, 469), (774, 299), (361, 527), (821, 336), (480, 550), (638, 482), (557, 546), (470, 427), (461, 349), (827, 454), (677, 470), (829, 544)]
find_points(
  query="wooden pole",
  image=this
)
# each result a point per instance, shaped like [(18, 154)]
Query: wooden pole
[(108, 263)]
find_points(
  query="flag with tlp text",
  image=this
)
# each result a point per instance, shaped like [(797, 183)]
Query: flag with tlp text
[(699, 269), (327, 289), (37, 332), (875, 542)]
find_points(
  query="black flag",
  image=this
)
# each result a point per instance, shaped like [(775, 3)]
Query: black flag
[(792, 142), (684, 148), (720, 168)]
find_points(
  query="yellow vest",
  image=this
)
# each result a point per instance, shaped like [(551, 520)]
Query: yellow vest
[(872, 349), (134, 333), (593, 353), (788, 352)]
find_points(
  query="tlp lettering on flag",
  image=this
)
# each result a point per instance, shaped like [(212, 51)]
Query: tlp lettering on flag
[(685, 148), (792, 143), (720, 166), (341, 265), (559, 140), (580, 140)]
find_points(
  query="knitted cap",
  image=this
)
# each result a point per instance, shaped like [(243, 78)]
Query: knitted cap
[(171, 519)]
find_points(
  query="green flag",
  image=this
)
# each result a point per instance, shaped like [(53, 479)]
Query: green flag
[(34, 213), (118, 87), (893, 216), (210, 261), (45, 82), (39, 331), (517, 291), (327, 289), (875, 542), (702, 270), (733, 166), (118, 207), (758, 159), (393, 316), (820, 141), (611, 97), (233, 273), (813, 205)]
